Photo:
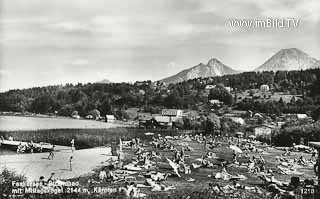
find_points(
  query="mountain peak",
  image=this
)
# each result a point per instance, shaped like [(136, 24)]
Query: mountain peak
[(213, 68), (291, 52), (213, 61), (289, 59), (104, 81)]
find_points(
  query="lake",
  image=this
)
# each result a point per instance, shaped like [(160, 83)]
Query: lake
[(11, 123)]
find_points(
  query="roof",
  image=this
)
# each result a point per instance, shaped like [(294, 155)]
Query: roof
[(267, 125), (144, 116), (302, 116), (163, 119), (315, 144), (213, 101), (237, 120), (110, 117), (170, 112)]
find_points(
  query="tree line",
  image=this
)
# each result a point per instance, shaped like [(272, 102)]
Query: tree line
[(114, 97)]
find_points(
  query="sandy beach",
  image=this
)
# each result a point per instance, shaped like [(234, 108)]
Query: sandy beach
[(35, 165)]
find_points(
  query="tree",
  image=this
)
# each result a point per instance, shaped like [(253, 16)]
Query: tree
[(221, 94), (316, 114), (95, 113), (214, 119), (44, 104)]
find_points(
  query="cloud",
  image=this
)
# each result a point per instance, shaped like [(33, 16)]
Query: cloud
[(122, 40), (4, 72), (306, 10), (69, 27), (80, 62)]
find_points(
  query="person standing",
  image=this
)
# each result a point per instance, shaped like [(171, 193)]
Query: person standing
[(317, 168), (51, 154), (234, 157), (19, 148), (72, 145), (70, 161)]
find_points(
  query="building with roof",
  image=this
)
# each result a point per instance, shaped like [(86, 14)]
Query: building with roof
[(172, 112), (110, 118), (264, 131)]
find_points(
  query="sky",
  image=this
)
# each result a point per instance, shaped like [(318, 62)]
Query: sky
[(50, 42)]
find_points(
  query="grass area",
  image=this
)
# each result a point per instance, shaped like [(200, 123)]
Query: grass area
[(200, 187)]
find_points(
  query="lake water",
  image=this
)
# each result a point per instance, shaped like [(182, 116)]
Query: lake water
[(9, 123)]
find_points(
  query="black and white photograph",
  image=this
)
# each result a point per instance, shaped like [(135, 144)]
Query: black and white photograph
[(159, 99)]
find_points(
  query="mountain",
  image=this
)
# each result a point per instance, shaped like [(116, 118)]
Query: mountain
[(213, 68), (289, 59), (104, 81)]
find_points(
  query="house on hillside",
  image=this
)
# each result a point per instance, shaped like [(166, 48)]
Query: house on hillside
[(142, 92), (110, 118), (228, 88), (209, 87), (215, 102), (143, 119), (163, 120), (172, 112), (264, 88), (238, 120), (192, 115), (264, 131), (302, 116), (298, 117)]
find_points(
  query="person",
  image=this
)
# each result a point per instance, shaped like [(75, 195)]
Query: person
[(317, 169), (182, 153), (70, 161), (51, 178), (19, 148), (42, 181), (31, 146), (234, 157), (51, 154), (10, 138), (262, 161), (72, 145), (314, 153), (41, 147), (102, 175)]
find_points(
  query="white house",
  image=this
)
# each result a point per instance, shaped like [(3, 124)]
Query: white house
[(110, 118), (302, 116), (172, 112), (264, 88), (228, 88), (264, 131), (215, 102), (208, 87)]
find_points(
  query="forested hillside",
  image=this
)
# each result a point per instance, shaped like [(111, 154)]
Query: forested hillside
[(147, 95)]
